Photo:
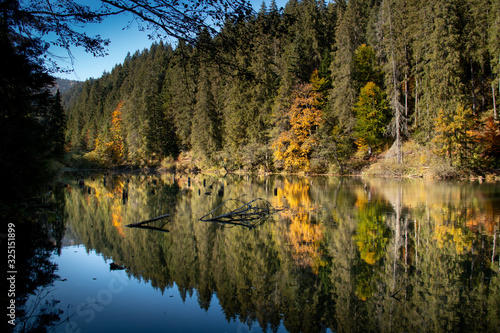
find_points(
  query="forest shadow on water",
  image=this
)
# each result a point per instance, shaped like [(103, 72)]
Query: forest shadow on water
[(333, 255)]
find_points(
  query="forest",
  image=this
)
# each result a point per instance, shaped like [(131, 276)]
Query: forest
[(312, 87)]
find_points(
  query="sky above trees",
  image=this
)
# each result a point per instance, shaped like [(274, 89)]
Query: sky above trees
[(124, 38)]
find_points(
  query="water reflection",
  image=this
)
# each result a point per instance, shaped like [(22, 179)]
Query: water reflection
[(35, 233), (343, 254)]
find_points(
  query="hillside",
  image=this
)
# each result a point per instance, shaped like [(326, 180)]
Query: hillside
[(316, 88), (63, 85)]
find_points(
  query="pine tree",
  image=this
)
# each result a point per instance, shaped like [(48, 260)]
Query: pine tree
[(337, 134), (206, 126), (343, 93), (261, 90), (372, 117), (395, 45), (180, 93), (439, 51), (160, 131), (366, 68), (27, 116), (474, 37), (57, 126), (494, 51)]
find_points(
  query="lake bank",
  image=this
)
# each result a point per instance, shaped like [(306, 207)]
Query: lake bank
[(418, 162)]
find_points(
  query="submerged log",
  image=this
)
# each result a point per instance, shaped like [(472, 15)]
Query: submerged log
[(152, 228), (249, 215), (144, 224), (134, 225), (115, 267)]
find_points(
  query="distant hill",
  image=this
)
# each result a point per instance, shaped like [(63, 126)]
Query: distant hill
[(63, 85), (70, 90)]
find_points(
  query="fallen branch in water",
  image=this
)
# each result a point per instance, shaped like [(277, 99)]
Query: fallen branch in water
[(236, 212), (394, 295), (141, 225), (147, 221), (151, 228)]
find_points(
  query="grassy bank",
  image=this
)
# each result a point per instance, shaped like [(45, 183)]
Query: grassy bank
[(418, 161), (421, 161)]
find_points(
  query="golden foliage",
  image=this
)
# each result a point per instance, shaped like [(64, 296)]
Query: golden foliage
[(303, 235), (489, 138), (305, 239), (372, 234), (449, 236), (454, 132), (117, 142), (294, 146), (110, 143), (109, 196), (294, 194)]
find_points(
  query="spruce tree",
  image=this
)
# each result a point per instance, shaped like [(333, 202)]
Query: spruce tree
[(57, 126), (343, 93), (372, 117), (206, 126), (441, 76), (395, 45), (494, 51)]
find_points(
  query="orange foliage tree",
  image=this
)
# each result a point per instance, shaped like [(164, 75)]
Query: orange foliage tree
[(110, 143), (304, 236), (489, 140), (117, 141), (294, 146)]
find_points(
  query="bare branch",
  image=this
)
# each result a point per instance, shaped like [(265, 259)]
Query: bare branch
[(250, 214)]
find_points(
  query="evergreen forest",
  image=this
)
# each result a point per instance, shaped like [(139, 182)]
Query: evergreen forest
[(314, 87)]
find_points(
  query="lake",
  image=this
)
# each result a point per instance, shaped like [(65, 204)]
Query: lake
[(328, 255)]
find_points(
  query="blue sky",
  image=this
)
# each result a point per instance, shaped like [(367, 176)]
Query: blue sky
[(122, 41)]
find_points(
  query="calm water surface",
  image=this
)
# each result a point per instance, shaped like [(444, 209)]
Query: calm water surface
[(341, 255)]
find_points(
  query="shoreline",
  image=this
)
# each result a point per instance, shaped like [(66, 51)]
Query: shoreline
[(487, 177)]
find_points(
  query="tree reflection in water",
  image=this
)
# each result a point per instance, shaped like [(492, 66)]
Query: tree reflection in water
[(345, 254)]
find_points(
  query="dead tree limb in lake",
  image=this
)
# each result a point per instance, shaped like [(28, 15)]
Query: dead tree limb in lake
[(147, 221), (151, 228), (234, 212), (141, 225)]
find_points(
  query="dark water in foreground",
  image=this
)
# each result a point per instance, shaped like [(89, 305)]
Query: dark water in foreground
[(343, 255)]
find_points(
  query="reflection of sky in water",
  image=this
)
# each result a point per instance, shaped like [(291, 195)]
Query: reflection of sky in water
[(128, 305)]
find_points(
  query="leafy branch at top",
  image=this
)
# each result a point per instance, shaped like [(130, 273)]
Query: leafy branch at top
[(32, 22)]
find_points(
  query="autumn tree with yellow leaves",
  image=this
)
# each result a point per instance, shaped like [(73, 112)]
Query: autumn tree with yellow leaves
[(294, 146), (110, 144), (117, 141), (455, 134)]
